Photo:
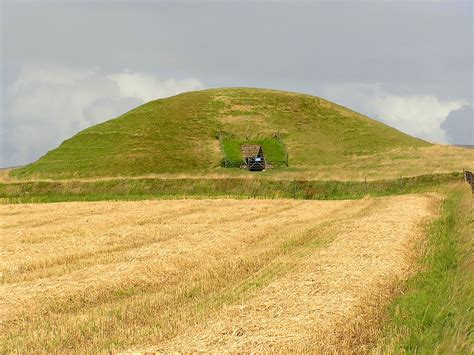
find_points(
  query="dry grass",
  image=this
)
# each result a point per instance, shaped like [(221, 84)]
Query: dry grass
[(5, 176), (407, 162), (311, 307), (390, 164), (119, 275)]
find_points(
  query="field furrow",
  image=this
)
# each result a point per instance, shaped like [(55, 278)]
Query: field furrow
[(196, 274), (317, 305)]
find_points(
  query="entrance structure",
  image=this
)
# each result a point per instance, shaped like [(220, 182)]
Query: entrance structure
[(253, 157)]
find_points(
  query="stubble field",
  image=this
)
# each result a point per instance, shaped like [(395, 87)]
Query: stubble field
[(209, 275)]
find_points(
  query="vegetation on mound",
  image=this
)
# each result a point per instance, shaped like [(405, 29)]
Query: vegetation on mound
[(178, 134)]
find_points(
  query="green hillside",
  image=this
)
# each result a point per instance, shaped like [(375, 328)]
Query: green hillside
[(180, 134)]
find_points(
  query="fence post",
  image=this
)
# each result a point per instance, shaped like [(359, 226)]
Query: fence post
[(221, 144), (365, 185)]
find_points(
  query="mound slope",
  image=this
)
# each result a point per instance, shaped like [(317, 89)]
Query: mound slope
[(179, 134)]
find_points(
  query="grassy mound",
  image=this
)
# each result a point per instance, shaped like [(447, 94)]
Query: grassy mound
[(179, 134)]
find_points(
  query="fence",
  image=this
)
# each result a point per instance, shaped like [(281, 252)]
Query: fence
[(228, 163), (469, 177)]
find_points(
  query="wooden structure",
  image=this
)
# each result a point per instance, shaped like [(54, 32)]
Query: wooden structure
[(253, 157), (469, 177)]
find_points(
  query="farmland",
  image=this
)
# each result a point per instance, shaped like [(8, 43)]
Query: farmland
[(142, 234), (204, 274)]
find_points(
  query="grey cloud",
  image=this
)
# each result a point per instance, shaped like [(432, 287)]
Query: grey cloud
[(459, 126), (418, 115), (411, 46), (47, 104), (410, 49)]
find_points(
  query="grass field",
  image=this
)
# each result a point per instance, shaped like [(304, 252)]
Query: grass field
[(390, 164), (203, 274), (242, 188)]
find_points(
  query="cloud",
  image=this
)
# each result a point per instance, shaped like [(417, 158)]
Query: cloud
[(146, 87), (417, 115), (459, 126), (47, 104)]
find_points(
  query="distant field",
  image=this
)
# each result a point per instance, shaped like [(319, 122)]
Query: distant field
[(208, 275)]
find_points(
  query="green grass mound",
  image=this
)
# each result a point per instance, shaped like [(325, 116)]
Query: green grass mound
[(179, 134)]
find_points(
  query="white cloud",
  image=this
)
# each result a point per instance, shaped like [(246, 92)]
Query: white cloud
[(417, 115), (47, 104), (146, 87)]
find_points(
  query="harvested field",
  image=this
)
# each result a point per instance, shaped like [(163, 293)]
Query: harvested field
[(202, 274)]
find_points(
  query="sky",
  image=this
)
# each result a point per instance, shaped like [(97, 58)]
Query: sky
[(67, 65)]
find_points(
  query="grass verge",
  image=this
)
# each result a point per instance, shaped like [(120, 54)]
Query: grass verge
[(154, 188), (435, 313)]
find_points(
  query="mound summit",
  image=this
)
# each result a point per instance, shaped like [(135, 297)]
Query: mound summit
[(179, 134)]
